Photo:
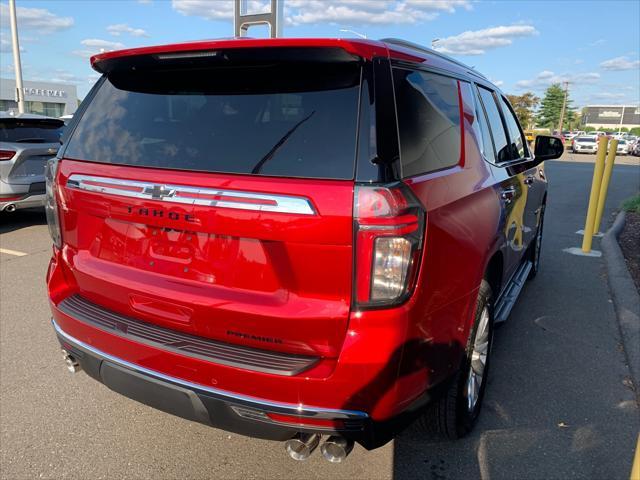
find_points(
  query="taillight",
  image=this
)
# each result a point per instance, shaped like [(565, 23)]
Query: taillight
[(51, 202), (6, 154), (389, 226)]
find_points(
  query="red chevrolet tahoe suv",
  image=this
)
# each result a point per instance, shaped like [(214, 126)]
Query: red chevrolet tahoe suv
[(291, 238)]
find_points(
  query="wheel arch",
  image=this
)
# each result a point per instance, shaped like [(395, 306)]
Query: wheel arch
[(493, 272)]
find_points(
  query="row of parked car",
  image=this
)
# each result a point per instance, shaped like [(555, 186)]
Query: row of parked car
[(587, 142)]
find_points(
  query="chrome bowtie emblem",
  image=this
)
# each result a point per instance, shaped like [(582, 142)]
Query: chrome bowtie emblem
[(158, 192)]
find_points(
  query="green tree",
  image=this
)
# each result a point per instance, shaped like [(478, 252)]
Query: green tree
[(551, 108), (524, 105)]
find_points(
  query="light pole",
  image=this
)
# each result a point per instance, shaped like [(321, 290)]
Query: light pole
[(17, 66), (361, 35)]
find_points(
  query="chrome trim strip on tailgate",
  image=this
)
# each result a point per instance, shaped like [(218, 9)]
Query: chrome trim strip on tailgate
[(208, 197), (255, 402), (239, 356)]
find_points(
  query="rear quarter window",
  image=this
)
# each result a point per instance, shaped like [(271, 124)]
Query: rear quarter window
[(428, 111)]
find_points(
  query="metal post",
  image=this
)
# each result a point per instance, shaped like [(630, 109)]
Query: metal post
[(273, 18), (564, 106), (17, 66), (595, 192), (604, 188), (621, 120)]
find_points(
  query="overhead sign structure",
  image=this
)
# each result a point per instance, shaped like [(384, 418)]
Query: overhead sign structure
[(243, 19)]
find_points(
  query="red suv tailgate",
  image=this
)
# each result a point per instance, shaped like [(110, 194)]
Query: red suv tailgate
[(217, 199)]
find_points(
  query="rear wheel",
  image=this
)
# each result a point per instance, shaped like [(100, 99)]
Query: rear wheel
[(455, 413)]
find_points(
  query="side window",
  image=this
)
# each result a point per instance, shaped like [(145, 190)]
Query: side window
[(484, 136), (428, 119), (518, 144), (495, 121)]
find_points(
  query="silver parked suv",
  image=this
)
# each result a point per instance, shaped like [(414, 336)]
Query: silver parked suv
[(26, 142)]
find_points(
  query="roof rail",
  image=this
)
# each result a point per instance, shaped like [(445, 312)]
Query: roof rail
[(415, 46)]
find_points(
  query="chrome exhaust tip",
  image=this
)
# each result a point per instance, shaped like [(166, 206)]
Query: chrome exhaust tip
[(302, 445), (72, 364), (336, 449), (10, 208)]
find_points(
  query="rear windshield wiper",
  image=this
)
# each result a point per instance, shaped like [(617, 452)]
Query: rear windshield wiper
[(30, 140), (281, 142)]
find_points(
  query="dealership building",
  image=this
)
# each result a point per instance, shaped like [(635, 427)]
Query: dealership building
[(44, 98), (611, 116)]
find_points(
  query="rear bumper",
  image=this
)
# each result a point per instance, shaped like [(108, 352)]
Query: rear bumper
[(229, 411), (31, 201)]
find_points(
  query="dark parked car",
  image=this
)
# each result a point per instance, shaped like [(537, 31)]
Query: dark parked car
[(293, 238)]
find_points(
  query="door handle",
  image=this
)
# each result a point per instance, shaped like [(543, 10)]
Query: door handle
[(508, 194), (529, 180)]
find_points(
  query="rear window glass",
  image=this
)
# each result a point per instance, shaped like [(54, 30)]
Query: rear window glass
[(586, 140), (294, 121), (428, 119), (30, 131)]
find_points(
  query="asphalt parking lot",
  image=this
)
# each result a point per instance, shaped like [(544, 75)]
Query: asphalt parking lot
[(559, 404)]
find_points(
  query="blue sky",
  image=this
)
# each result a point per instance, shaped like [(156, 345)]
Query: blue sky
[(522, 45)]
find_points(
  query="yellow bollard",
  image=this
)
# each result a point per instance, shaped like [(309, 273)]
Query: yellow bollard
[(635, 469), (593, 197), (604, 188)]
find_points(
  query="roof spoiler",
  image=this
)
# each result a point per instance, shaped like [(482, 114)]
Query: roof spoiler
[(247, 51)]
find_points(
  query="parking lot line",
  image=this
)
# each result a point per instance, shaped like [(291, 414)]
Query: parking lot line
[(12, 252)]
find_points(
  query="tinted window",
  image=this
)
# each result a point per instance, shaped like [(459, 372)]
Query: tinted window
[(486, 146), (269, 120), (30, 131), (495, 121), (428, 120), (517, 147)]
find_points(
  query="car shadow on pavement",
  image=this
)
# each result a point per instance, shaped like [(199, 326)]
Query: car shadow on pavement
[(10, 222)]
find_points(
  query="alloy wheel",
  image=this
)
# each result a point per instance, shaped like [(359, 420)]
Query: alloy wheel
[(478, 360)]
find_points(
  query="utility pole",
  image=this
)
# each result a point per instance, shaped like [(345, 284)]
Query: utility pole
[(564, 106), (621, 120), (17, 66)]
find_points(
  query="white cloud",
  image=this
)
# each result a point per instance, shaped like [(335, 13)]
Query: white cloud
[(547, 78), (64, 76), (220, 10), (342, 12), (96, 45), (120, 28), (39, 19), (479, 41), (620, 63), (609, 95), (6, 43)]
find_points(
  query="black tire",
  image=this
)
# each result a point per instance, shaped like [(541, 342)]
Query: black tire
[(536, 247), (449, 415)]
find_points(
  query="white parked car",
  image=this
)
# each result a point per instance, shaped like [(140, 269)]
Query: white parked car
[(623, 147), (585, 144)]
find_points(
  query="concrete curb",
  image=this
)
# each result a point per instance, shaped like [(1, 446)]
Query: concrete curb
[(626, 299)]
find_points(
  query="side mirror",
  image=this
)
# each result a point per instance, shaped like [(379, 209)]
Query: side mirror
[(547, 147)]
